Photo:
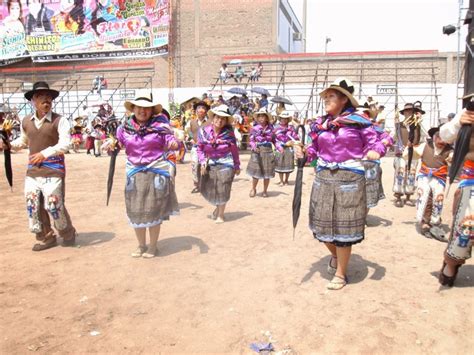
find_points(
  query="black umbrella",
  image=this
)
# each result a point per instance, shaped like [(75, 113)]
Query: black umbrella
[(5, 133), (110, 178), (281, 99), (461, 148), (411, 139), (298, 183), (7, 159)]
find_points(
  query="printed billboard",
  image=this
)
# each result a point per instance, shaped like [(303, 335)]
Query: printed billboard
[(52, 30)]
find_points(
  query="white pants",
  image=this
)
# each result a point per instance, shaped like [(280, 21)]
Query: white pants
[(429, 204), (45, 199)]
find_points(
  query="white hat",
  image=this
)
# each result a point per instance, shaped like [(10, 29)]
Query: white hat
[(221, 111), (143, 98), (263, 111), (285, 114)]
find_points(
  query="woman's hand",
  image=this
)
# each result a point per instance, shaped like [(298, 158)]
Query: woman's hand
[(173, 146), (373, 155), (108, 145), (237, 172), (299, 151), (203, 169)]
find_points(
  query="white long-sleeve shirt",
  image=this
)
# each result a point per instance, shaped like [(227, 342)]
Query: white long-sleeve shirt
[(449, 131), (64, 141)]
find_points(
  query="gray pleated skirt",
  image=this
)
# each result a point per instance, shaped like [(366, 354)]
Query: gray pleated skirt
[(216, 185), (337, 208), (285, 161), (267, 158), (373, 183), (150, 199)]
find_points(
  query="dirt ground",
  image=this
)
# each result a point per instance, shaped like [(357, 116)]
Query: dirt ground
[(219, 288)]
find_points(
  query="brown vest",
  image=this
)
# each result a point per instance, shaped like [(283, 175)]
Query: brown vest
[(433, 161), (194, 126), (39, 139), (404, 135)]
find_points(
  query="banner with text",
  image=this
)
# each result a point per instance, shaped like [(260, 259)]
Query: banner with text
[(52, 30)]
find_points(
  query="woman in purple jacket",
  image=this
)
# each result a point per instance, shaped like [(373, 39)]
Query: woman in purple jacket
[(150, 196), (285, 136), (337, 212), (219, 158)]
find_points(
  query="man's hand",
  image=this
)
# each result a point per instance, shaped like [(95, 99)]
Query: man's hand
[(173, 146), (237, 172), (36, 159), (3, 145), (467, 117)]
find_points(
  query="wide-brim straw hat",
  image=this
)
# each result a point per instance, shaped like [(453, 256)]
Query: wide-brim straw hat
[(345, 87), (263, 111), (143, 99), (221, 111), (410, 106), (41, 86), (285, 114)]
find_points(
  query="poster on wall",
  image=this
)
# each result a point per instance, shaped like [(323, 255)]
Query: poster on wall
[(53, 30)]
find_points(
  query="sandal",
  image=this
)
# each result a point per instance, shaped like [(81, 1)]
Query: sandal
[(44, 246), (447, 280), (398, 203), (139, 252), (337, 283), (148, 255), (252, 193), (264, 194), (332, 269), (195, 190), (219, 220), (214, 214)]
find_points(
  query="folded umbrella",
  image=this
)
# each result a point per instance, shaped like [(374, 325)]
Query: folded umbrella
[(460, 149), (298, 182), (113, 158), (5, 133)]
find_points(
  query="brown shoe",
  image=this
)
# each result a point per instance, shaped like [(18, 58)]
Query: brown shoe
[(447, 280), (44, 246), (69, 242)]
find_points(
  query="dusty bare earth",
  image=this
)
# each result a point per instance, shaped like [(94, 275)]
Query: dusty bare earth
[(219, 288)]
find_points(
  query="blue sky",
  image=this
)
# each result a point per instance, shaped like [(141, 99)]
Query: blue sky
[(381, 25)]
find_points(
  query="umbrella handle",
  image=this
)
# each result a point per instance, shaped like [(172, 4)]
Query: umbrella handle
[(301, 130)]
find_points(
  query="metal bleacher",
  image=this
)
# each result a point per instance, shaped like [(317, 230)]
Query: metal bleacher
[(301, 78), (74, 82)]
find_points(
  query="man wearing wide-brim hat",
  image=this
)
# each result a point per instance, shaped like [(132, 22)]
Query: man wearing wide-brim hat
[(407, 135), (193, 126), (47, 135)]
